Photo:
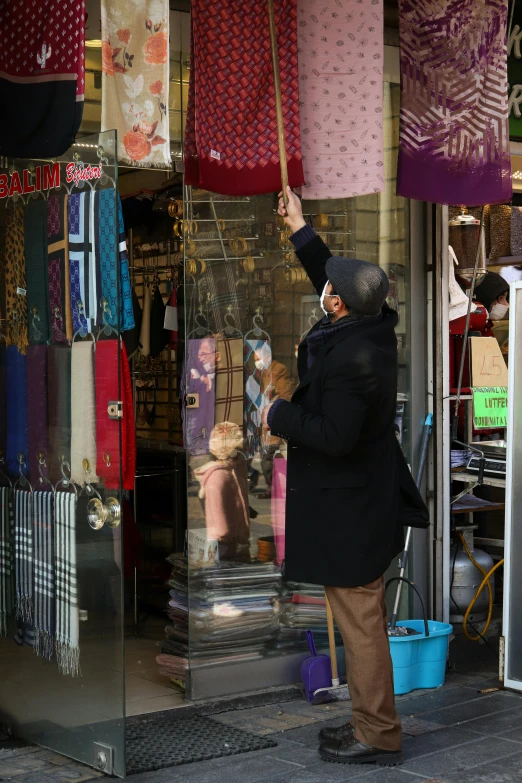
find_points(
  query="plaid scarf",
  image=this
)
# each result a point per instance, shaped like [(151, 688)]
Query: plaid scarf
[(67, 618), (229, 381), (255, 399), (6, 558), (44, 592), (24, 555)]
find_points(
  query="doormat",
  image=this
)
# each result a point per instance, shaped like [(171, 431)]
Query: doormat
[(157, 742)]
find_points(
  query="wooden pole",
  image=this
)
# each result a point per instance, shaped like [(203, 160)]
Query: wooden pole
[(278, 99)]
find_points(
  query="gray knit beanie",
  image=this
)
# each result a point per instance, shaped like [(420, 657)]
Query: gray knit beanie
[(363, 287)]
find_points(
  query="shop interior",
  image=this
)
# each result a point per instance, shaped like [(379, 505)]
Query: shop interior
[(483, 243)]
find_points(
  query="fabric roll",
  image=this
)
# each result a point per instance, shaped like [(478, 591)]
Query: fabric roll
[(145, 321), (35, 242), (81, 260), (454, 106), (198, 421), (17, 428), (44, 574), (42, 76), (23, 516), (231, 141), (131, 338), (109, 459), (67, 643), (255, 399), (58, 268), (83, 412), (59, 408), (341, 58), (159, 336), (113, 260), (229, 381), (135, 94), (15, 278), (3, 399), (37, 414), (7, 586), (516, 231)]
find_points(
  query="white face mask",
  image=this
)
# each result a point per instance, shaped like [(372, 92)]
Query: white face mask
[(261, 364), (328, 313), (208, 367), (498, 312)]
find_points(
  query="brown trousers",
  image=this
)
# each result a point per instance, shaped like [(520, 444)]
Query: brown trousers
[(362, 618)]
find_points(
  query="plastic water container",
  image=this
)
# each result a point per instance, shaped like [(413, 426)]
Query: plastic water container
[(420, 661)]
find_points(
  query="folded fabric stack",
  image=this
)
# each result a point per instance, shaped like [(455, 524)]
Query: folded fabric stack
[(302, 608), (173, 661)]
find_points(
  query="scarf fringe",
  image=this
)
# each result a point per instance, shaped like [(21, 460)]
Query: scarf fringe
[(68, 658), (24, 608), (43, 644)]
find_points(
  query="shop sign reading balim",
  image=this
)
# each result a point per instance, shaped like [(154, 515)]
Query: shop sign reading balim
[(46, 177)]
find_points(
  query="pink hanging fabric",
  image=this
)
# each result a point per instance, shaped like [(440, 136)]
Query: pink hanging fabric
[(278, 506), (340, 53)]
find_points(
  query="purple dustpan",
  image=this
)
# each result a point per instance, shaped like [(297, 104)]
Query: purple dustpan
[(316, 670)]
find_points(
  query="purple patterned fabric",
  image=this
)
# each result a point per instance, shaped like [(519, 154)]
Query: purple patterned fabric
[(454, 137), (200, 382), (37, 422)]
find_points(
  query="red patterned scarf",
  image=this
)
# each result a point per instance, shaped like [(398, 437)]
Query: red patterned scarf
[(231, 142)]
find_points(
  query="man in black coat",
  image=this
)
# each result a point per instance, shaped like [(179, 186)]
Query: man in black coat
[(349, 490)]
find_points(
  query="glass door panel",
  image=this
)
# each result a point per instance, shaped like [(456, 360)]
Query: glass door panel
[(61, 648)]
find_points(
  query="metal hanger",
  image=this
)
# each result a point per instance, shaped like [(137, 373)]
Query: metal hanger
[(108, 328), (43, 478), (231, 329), (312, 320), (256, 329), (65, 481), (22, 480), (82, 331), (202, 329)]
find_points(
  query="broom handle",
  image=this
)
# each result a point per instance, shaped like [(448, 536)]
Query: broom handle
[(278, 100), (331, 641)]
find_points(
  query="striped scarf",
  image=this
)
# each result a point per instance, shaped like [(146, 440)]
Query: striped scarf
[(67, 617), (44, 588), (6, 558), (24, 555)]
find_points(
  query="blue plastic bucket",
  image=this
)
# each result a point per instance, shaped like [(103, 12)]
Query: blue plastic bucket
[(420, 661)]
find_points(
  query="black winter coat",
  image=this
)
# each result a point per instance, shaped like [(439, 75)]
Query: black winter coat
[(349, 490)]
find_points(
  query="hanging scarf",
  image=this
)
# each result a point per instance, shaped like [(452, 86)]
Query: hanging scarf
[(229, 381), (59, 408), (171, 318), (135, 94), (231, 141), (15, 279), (107, 430), (145, 322), (279, 506), (58, 268), (67, 617), (37, 423), (132, 337), (7, 591), (83, 276), (17, 430), (341, 59), (159, 336), (255, 400), (42, 76), (3, 399), (23, 515), (112, 251), (83, 412), (454, 135), (198, 422), (44, 574), (35, 242)]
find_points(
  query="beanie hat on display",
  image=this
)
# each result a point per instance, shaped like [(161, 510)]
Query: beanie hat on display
[(490, 289), (363, 287)]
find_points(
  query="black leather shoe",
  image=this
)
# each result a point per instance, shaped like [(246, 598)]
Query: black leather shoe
[(329, 733), (351, 751)]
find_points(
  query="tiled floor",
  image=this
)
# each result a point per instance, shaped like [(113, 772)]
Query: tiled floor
[(454, 735)]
